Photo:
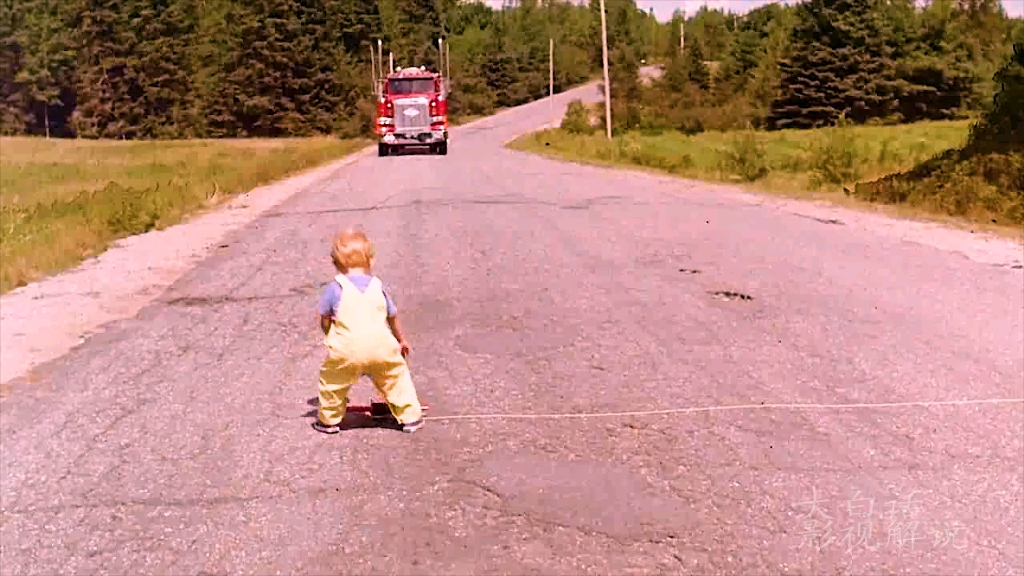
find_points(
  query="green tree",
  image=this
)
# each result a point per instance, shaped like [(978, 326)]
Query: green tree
[(1002, 127), (284, 76), (13, 113), (358, 24), (108, 89), (164, 66), (697, 72), (418, 25), (711, 29), (211, 54), (47, 70), (227, 68), (841, 65), (749, 70)]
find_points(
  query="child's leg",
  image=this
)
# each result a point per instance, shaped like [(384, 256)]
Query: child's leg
[(394, 382), (336, 378)]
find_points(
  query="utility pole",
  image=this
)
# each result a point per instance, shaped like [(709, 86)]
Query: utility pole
[(391, 62), (551, 71), (373, 69), (607, 87), (682, 32)]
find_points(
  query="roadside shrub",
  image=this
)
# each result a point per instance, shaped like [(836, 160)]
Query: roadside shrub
[(674, 163), (745, 157), (577, 118), (132, 211), (834, 160), (989, 186), (984, 178), (630, 148)]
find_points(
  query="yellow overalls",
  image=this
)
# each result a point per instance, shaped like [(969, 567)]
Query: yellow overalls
[(360, 342)]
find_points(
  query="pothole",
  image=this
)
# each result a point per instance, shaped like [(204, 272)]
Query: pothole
[(689, 271), (729, 296)]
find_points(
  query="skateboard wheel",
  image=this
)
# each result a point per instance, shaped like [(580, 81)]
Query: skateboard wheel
[(379, 410)]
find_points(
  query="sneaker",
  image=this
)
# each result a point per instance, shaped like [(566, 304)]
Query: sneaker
[(412, 426), (326, 429)]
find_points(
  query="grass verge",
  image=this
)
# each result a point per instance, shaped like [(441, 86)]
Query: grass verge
[(62, 201), (824, 164)]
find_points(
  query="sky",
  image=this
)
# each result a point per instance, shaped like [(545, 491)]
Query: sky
[(663, 8)]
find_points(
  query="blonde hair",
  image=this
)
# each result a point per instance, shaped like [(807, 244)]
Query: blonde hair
[(352, 249)]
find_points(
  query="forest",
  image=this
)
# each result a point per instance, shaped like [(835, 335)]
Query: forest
[(158, 69), (816, 63), (173, 69)]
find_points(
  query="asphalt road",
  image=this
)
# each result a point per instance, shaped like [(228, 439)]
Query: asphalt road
[(179, 441)]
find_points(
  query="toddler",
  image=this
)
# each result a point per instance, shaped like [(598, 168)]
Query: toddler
[(362, 335)]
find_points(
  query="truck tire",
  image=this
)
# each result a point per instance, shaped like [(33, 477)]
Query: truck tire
[(442, 148), (382, 149)]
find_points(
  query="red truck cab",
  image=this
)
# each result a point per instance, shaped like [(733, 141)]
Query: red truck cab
[(412, 111)]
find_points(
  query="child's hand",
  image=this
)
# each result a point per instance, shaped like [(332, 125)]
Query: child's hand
[(397, 332)]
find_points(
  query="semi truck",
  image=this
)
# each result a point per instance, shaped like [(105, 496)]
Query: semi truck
[(412, 110)]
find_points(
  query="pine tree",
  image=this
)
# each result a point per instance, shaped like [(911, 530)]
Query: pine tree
[(166, 34), (750, 57), (108, 89), (211, 54), (287, 73), (1002, 127), (419, 25), (13, 115), (625, 88), (48, 66), (357, 23), (841, 64), (745, 52), (696, 70), (216, 68), (247, 85)]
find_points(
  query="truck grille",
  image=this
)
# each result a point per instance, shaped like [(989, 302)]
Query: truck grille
[(406, 120)]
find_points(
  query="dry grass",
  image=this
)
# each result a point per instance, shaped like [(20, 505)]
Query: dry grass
[(806, 164), (62, 201)]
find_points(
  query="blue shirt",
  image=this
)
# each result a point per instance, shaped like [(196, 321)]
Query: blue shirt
[(331, 295)]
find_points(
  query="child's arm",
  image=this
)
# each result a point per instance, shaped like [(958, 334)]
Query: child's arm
[(393, 324), (327, 305), (396, 329)]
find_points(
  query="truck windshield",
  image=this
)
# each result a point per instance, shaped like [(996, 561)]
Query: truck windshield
[(411, 85)]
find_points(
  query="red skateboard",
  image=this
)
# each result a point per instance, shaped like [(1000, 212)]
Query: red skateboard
[(378, 409)]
